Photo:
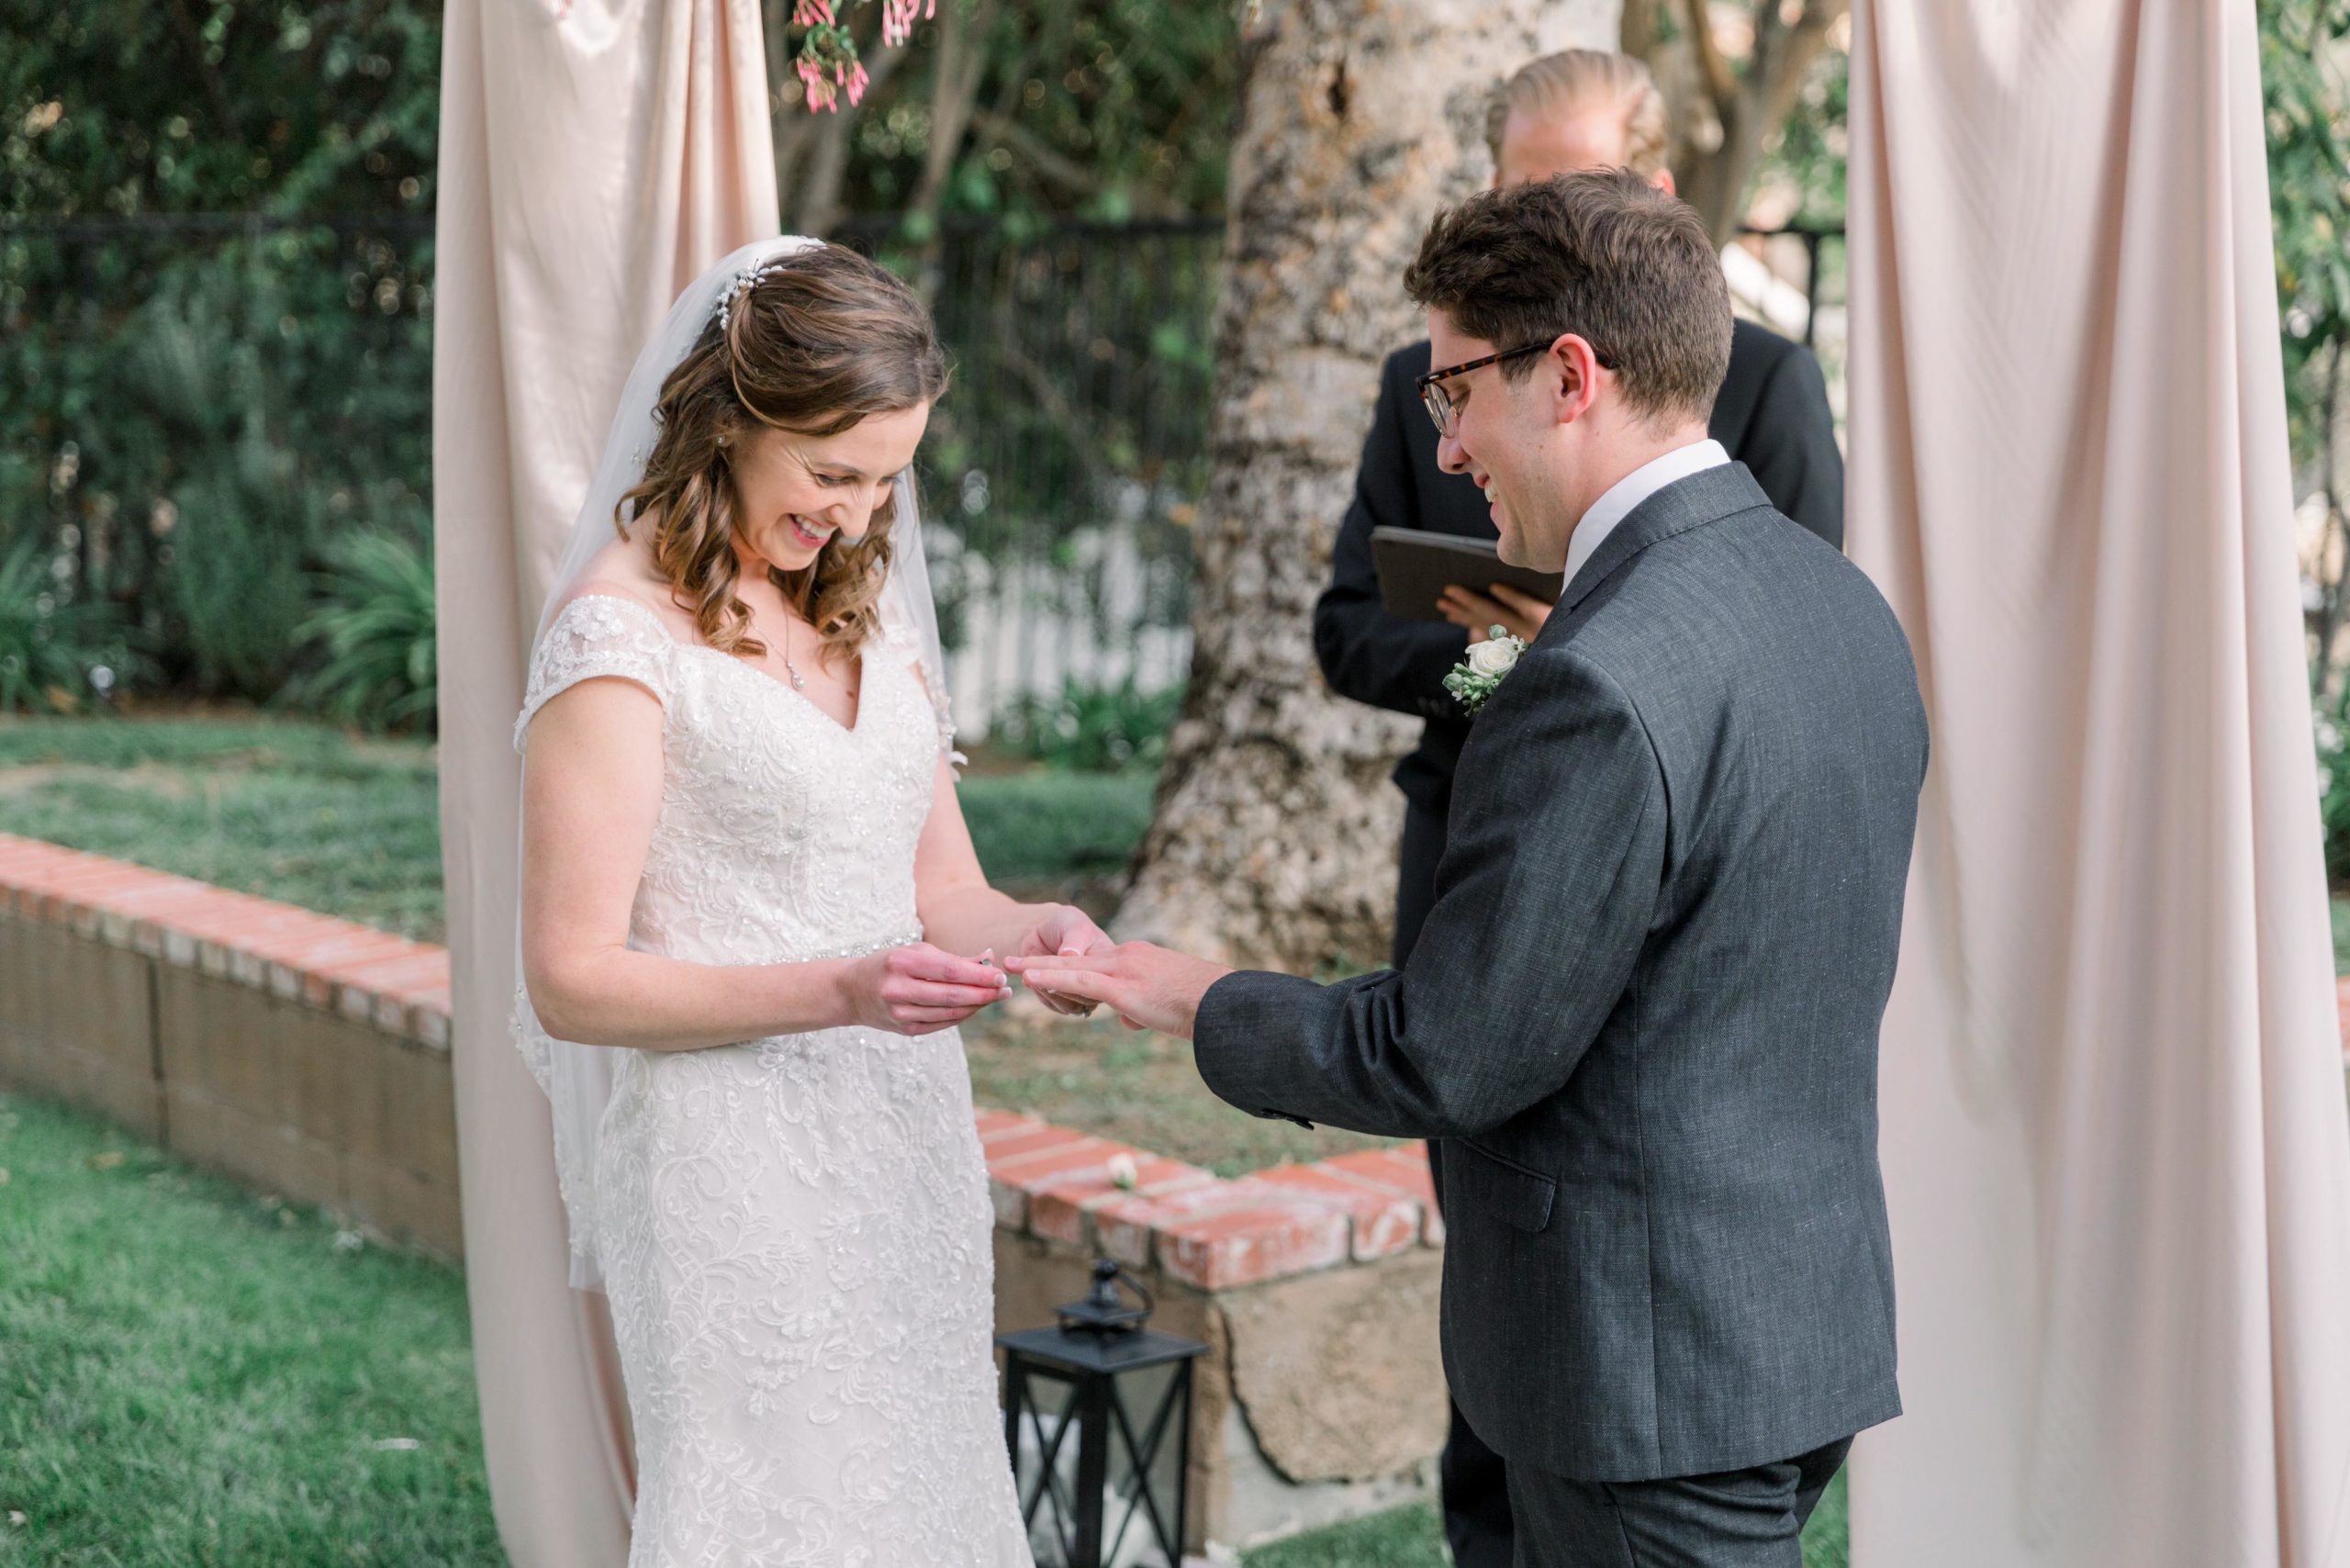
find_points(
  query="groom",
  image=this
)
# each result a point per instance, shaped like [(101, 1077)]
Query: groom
[(1644, 1009)]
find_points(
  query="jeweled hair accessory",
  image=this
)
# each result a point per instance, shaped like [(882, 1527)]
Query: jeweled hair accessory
[(747, 278)]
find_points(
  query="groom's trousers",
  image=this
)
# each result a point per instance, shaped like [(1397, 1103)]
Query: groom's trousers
[(1740, 1518)]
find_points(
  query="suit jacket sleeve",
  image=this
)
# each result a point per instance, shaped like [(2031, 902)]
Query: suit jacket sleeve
[(1365, 653), (1543, 901), (1790, 447)]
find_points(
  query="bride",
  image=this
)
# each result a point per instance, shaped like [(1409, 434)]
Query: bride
[(751, 919)]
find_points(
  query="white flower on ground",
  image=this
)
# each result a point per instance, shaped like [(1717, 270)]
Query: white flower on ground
[(1123, 1174)]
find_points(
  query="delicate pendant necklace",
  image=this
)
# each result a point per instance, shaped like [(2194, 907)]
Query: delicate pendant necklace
[(799, 682)]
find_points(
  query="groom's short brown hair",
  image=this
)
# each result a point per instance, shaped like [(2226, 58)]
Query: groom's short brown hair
[(1603, 255)]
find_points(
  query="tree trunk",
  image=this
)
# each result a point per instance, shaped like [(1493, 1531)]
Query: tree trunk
[(1722, 117), (1274, 839)]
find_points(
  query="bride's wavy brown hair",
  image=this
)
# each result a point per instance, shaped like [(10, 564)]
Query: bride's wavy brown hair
[(821, 342)]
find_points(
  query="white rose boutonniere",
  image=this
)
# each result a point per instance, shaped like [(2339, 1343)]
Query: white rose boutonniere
[(1475, 678)]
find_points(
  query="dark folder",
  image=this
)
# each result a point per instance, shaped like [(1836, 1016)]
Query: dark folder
[(1416, 567)]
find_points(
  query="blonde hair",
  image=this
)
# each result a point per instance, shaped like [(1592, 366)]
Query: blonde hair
[(1575, 80), (816, 344)]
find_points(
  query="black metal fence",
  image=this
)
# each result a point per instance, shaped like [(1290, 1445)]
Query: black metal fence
[(1068, 460)]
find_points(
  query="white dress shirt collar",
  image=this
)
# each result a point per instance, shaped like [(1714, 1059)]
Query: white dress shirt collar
[(1629, 491)]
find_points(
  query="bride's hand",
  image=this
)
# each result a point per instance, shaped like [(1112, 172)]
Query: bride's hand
[(919, 990), (1065, 930)]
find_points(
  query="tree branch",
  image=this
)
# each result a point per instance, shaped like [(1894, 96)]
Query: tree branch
[(1636, 34), (954, 92), (818, 210), (1059, 167), (1793, 50), (1720, 81)]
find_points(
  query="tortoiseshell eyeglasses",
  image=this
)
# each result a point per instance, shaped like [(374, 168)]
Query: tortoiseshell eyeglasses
[(1438, 402)]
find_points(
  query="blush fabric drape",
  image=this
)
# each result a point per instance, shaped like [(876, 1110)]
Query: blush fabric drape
[(2114, 1128), (593, 158)]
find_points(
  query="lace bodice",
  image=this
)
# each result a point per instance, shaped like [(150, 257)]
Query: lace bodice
[(795, 1232), (783, 836)]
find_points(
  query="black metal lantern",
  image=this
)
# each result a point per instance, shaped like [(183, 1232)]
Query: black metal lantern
[(1097, 1413)]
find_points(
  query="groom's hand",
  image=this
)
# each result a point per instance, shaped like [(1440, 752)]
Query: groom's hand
[(1149, 988), (1064, 931)]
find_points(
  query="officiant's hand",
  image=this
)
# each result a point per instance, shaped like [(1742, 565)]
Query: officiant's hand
[(1147, 987), (1067, 931), (1521, 614)]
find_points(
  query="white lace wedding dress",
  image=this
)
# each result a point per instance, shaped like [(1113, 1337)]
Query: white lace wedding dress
[(794, 1232)]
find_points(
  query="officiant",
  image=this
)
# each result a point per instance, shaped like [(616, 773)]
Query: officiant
[(1578, 109)]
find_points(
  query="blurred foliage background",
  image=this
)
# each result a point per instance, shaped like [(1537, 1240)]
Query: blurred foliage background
[(215, 301), (216, 294)]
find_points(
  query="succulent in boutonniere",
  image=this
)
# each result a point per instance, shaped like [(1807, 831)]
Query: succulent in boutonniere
[(1475, 678)]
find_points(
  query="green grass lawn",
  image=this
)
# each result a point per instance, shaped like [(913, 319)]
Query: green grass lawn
[(193, 1374), (295, 812), (349, 825)]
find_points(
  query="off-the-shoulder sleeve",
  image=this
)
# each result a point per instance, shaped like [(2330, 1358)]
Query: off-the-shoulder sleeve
[(597, 634)]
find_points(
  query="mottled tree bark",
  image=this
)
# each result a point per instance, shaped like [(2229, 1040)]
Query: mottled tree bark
[(1274, 840)]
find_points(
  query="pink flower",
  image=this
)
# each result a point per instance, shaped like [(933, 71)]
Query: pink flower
[(809, 13), (857, 84), (898, 18), (821, 95)]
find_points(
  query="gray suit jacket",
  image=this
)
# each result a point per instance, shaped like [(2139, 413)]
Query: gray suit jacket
[(1645, 1007)]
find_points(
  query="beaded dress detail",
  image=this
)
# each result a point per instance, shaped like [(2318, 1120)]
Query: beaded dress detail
[(794, 1233)]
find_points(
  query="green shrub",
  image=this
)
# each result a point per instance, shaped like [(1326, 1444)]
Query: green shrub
[(1091, 729), (54, 651), (199, 440), (376, 626), (1036, 827), (224, 415)]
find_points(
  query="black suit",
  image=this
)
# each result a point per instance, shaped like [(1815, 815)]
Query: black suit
[(1643, 1011), (1772, 414)]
